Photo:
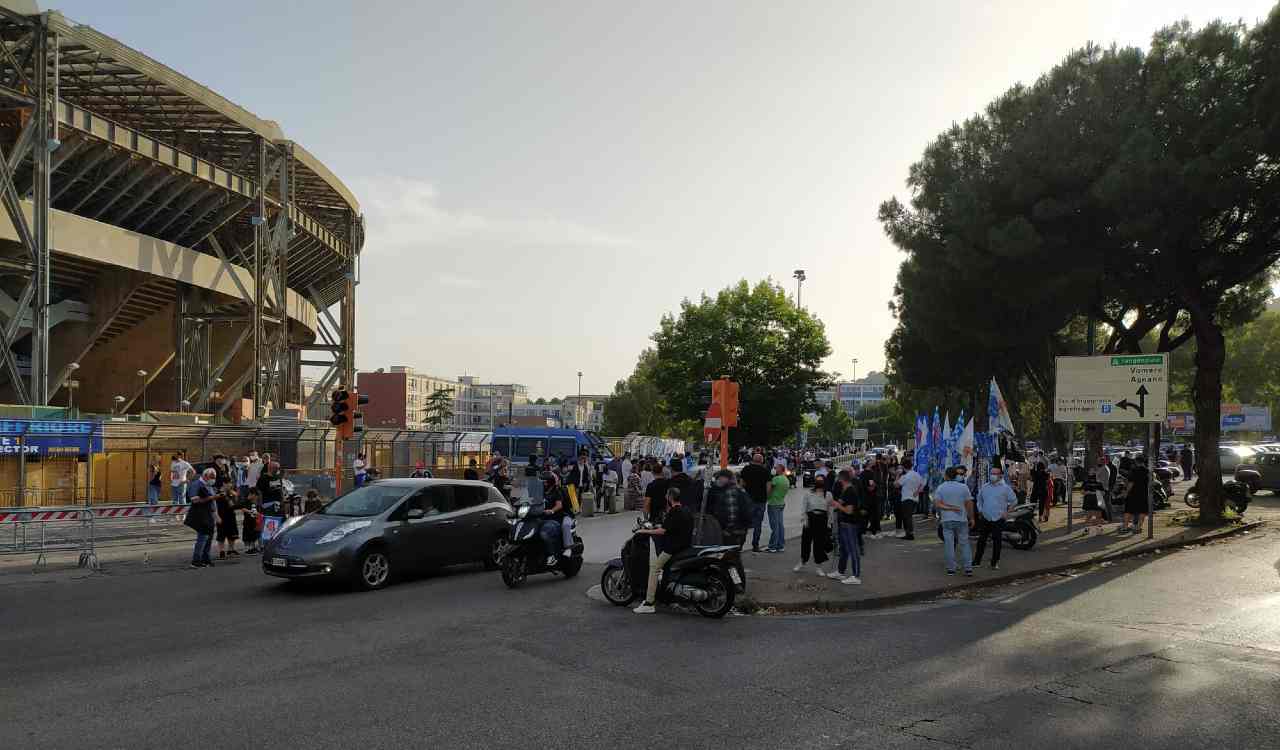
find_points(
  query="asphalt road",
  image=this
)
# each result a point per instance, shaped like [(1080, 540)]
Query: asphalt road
[(1179, 650)]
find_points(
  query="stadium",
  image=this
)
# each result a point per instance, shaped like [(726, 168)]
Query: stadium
[(162, 249)]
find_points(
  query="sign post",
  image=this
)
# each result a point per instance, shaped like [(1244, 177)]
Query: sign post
[(1116, 389)]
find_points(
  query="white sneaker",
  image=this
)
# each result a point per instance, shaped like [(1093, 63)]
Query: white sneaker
[(551, 561), (852, 580), (645, 609), (817, 569), (899, 534), (836, 575), (799, 567)]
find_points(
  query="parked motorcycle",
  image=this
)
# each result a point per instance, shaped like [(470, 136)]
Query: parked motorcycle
[(1021, 529), (706, 578), (523, 554), (1237, 491)]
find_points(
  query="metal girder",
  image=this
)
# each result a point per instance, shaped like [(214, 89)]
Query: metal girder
[(236, 386), (202, 400), (102, 182), (230, 271), (34, 236), (169, 198), (227, 213), (120, 191), (181, 208), (197, 214), (87, 163), (164, 179), (66, 151)]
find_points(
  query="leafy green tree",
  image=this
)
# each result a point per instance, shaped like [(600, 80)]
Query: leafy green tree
[(834, 423), (637, 404), (439, 408), (887, 420), (755, 336)]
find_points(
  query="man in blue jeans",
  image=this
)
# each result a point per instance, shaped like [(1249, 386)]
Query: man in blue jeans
[(955, 512)]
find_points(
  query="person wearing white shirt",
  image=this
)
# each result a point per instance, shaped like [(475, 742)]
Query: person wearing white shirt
[(911, 482), (180, 472), (359, 469)]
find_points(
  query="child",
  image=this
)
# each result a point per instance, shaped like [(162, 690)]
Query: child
[(249, 504), (1092, 502)]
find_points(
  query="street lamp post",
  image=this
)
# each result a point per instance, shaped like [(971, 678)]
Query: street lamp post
[(798, 275), (577, 408), (118, 401), (854, 376), (71, 388), (142, 375)]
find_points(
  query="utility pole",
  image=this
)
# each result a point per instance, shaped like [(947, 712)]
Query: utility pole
[(799, 276)]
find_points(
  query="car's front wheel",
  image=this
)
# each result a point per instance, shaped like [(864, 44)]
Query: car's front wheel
[(373, 569), (494, 555)]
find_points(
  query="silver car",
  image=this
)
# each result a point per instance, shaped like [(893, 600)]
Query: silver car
[(392, 527)]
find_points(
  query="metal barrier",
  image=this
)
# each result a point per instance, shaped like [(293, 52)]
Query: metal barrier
[(41, 531)]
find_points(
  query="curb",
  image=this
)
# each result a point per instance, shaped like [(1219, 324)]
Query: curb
[(892, 600)]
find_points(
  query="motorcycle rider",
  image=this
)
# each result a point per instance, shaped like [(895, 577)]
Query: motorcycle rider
[(677, 535), (558, 516)]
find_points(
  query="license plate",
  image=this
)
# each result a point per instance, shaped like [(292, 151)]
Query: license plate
[(733, 573), (279, 562)]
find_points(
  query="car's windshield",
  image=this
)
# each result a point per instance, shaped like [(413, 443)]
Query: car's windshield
[(370, 500)]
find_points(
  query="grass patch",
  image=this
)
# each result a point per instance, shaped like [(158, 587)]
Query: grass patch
[(1191, 519)]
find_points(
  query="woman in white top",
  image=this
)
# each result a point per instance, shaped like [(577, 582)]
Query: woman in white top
[(815, 536)]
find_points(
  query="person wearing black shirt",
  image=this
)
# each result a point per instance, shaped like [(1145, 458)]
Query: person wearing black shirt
[(271, 487), (655, 500), (559, 517), (755, 478), (1135, 503), (848, 503), (677, 535), (201, 518), (1040, 490), (472, 472)]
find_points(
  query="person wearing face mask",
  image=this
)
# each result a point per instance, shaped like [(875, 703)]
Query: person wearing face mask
[(994, 501)]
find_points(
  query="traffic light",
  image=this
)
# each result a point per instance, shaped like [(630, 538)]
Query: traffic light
[(729, 404), (705, 391), (340, 411), (357, 417)]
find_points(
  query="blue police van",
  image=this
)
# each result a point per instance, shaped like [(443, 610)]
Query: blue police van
[(519, 443)]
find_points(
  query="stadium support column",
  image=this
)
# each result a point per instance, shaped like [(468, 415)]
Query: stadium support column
[(272, 380), (41, 150)]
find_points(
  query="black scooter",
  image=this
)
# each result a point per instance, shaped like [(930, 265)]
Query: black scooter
[(706, 578), (523, 554), (1237, 490)]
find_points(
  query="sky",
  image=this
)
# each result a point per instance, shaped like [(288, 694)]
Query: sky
[(542, 181)]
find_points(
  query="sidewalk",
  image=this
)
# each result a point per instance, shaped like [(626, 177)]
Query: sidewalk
[(895, 570)]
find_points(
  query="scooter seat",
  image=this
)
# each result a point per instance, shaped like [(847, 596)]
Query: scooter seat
[(713, 549)]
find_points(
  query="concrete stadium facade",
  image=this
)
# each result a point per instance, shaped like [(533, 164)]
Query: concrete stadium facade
[(149, 224)]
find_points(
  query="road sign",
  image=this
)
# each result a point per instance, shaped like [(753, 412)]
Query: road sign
[(1112, 388)]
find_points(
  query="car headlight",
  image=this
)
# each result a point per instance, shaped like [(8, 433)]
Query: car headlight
[(339, 532)]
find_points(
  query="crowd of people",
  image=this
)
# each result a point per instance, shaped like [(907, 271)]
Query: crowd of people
[(229, 501)]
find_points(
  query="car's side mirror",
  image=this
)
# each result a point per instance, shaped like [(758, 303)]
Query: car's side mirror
[(415, 513)]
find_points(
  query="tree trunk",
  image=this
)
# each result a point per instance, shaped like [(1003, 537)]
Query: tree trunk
[(1211, 353), (1093, 450)]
